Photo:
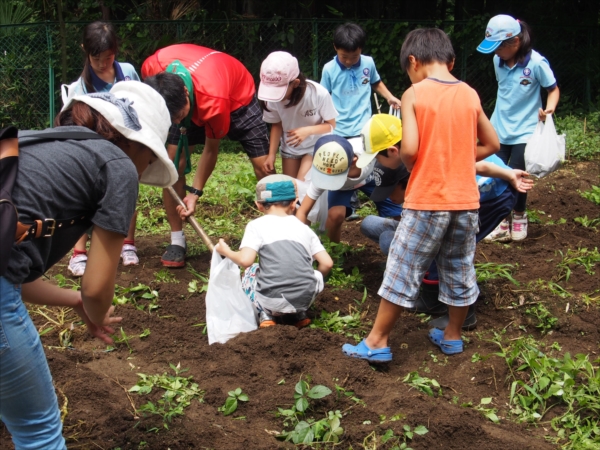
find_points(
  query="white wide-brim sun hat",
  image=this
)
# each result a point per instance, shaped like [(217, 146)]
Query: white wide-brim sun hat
[(154, 119)]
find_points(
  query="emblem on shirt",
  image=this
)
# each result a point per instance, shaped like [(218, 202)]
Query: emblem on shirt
[(525, 82), (310, 112), (365, 80), (526, 71), (366, 71), (377, 176)]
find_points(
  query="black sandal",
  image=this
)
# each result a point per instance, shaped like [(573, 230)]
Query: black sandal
[(174, 256)]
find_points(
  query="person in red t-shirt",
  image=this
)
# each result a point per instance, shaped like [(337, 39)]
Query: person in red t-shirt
[(222, 103)]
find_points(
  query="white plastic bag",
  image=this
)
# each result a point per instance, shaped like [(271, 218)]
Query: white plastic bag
[(228, 310), (319, 211), (545, 151)]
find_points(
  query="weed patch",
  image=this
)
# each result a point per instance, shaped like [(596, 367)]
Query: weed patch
[(541, 383), (178, 394), (306, 430)]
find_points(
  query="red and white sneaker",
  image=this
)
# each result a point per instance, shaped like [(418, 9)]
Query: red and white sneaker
[(129, 255), (77, 264), (518, 230)]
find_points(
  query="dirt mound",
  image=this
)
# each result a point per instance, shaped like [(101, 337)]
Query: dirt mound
[(92, 383)]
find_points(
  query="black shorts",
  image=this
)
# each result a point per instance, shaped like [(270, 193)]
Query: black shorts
[(246, 127)]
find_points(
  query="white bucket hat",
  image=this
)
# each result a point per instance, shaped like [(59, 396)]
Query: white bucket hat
[(151, 131)]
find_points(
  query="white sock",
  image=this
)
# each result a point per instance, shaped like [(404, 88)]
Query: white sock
[(178, 238)]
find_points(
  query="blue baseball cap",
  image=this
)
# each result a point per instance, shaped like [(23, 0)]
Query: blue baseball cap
[(499, 28), (332, 159)]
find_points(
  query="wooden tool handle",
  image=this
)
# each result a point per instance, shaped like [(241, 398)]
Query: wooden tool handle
[(192, 221)]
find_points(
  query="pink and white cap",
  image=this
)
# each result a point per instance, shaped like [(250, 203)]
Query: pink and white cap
[(276, 73)]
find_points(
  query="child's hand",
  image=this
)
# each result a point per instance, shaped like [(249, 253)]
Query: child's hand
[(296, 136), (269, 164), (102, 331), (190, 201), (394, 102), (222, 248), (519, 182), (543, 113)]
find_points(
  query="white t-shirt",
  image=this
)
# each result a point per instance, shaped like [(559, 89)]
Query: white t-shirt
[(315, 108), (286, 281)]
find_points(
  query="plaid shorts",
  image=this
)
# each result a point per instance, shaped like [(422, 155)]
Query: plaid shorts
[(422, 236), (246, 127)]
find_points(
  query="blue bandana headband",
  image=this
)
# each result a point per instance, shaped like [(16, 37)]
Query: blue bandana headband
[(125, 107), (278, 191)]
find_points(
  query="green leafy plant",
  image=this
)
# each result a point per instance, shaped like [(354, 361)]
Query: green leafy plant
[(349, 325), (593, 195), (541, 383), (582, 135), (231, 403), (399, 442), (67, 283), (165, 276), (489, 412), (304, 429), (533, 215), (123, 338), (492, 271), (200, 284), (350, 394), (581, 256), (423, 384), (545, 320), (134, 294), (588, 223), (178, 393)]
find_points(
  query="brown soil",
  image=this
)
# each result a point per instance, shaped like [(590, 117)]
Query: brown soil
[(101, 415)]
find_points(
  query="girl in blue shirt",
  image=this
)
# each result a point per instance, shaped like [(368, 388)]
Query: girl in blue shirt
[(521, 72), (100, 73)]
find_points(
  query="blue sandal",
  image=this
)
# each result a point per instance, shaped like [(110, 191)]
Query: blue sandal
[(448, 347), (379, 355)]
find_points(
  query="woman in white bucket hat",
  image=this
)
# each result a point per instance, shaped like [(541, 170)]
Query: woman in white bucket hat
[(83, 172)]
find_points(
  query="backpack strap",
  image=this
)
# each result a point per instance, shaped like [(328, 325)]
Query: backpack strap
[(57, 135)]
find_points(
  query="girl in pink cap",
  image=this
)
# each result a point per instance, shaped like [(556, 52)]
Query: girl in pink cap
[(299, 111)]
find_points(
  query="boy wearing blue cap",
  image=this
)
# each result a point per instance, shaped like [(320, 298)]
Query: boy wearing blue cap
[(281, 293)]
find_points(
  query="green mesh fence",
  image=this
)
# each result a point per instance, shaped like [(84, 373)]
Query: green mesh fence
[(31, 56)]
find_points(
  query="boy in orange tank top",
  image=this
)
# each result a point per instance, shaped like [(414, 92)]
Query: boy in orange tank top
[(442, 122)]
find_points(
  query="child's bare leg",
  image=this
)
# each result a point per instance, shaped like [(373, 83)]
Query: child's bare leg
[(290, 166), (457, 315), (81, 243), (305, 165), (335, 220), (131, 231), (387, 316)]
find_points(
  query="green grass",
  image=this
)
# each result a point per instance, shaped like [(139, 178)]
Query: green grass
[(582, 135)]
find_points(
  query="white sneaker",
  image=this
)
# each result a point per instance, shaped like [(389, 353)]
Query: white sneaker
[(77, 265), (519, 227), (500, 234), (129, 255)]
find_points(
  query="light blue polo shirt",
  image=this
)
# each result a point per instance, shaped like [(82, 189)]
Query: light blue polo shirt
[(350, 89), (516, 113)]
